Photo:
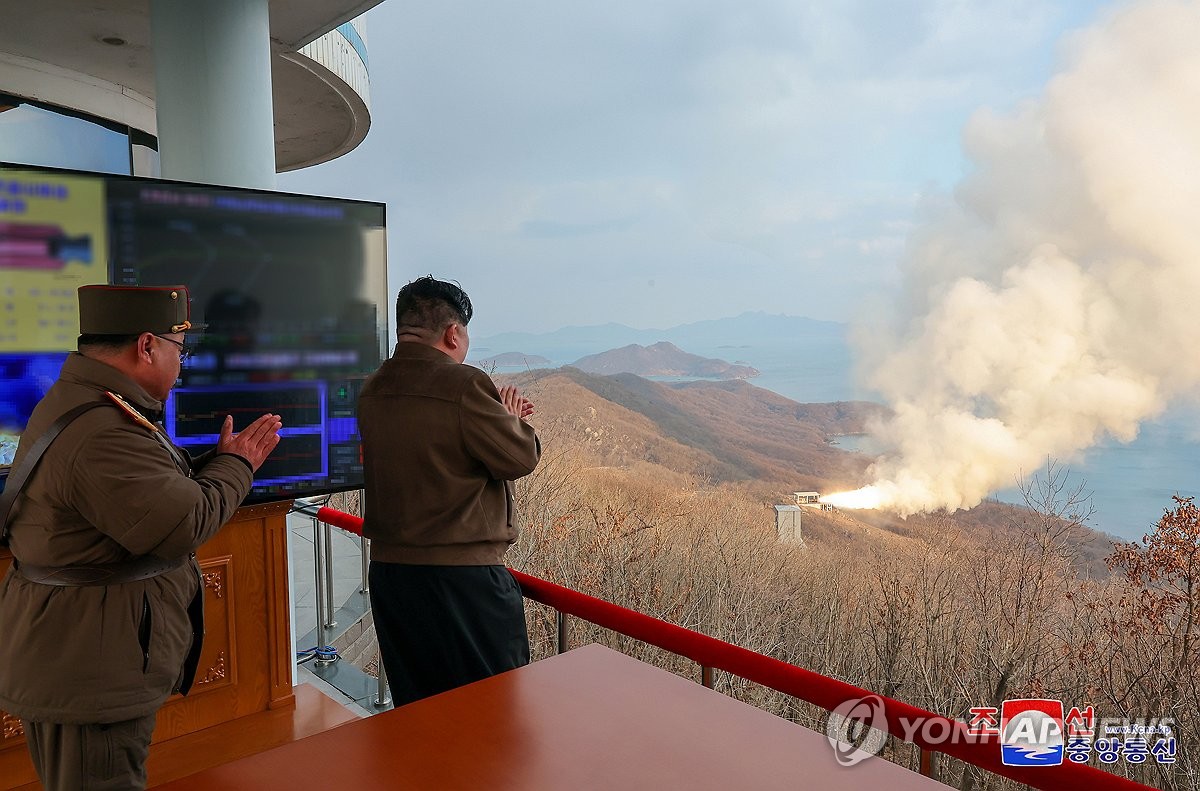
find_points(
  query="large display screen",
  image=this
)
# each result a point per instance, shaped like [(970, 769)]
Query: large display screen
[(292, 289)]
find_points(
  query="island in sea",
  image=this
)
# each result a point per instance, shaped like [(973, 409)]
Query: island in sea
[(662, 359)]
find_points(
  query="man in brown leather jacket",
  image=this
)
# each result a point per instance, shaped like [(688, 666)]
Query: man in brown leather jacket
[(99, 613), (440, 445)]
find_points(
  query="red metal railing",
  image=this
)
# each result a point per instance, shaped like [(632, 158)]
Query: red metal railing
[(906, 722)]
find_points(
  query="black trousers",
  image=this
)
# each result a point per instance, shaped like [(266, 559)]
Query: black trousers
[(440, 627)]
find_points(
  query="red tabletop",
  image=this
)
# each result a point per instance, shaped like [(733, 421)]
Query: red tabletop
[(591, 718)]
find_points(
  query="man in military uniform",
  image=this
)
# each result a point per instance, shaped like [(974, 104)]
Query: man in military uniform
[(100, 617)]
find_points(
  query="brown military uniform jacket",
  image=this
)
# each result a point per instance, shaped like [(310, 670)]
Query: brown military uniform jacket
[(438, 450), (106, 491)]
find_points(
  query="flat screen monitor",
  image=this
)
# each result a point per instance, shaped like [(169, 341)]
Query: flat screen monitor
[(292, 290)]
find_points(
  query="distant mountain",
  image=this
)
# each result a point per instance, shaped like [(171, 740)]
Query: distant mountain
[(511, 359), (747, 330), (710, 434), (661, 359), (726, 431)]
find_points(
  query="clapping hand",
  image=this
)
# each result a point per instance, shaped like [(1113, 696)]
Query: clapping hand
[(516, 404), (254, 443)]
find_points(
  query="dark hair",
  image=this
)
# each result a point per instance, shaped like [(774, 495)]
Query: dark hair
[(105, 343), (432, 305)]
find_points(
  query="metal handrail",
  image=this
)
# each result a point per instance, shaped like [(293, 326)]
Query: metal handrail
[(823, 691), (323, 591)]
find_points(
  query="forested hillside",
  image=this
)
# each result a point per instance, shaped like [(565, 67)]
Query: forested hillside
[(657, 497)]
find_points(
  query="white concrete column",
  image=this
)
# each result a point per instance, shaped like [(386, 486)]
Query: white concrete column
[(212, 74)]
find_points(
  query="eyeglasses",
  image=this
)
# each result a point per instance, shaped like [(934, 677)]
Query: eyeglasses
[(184, 352)]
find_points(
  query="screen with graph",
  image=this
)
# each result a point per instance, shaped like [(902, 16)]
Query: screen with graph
[(291, 289)]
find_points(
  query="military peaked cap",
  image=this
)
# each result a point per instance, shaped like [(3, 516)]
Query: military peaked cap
[(131, 310)]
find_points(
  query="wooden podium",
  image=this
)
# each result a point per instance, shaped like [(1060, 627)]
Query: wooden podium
[(246, 666)]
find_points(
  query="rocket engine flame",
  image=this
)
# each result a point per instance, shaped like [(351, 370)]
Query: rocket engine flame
[(868, 497), (1051, 303)]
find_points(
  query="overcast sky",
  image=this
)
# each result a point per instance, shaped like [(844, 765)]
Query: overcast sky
[(665, 162)]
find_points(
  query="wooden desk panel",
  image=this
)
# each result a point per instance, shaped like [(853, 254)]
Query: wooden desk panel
[(589, 719)]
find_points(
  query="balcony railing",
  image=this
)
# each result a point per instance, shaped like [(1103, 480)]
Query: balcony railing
[(906, 722)]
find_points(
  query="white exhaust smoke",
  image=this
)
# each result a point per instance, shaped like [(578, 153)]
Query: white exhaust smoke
[(1056, 301)]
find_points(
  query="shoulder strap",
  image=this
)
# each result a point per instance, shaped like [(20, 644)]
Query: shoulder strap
[(19, 475), (182, 460)]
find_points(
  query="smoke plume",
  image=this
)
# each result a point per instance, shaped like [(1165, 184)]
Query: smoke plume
[(1051, 302)]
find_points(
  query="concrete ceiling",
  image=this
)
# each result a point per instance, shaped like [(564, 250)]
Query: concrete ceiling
[(110, 40)]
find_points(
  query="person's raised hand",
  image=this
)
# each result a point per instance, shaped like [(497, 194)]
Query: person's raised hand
[(513, 401), (254, 443)]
